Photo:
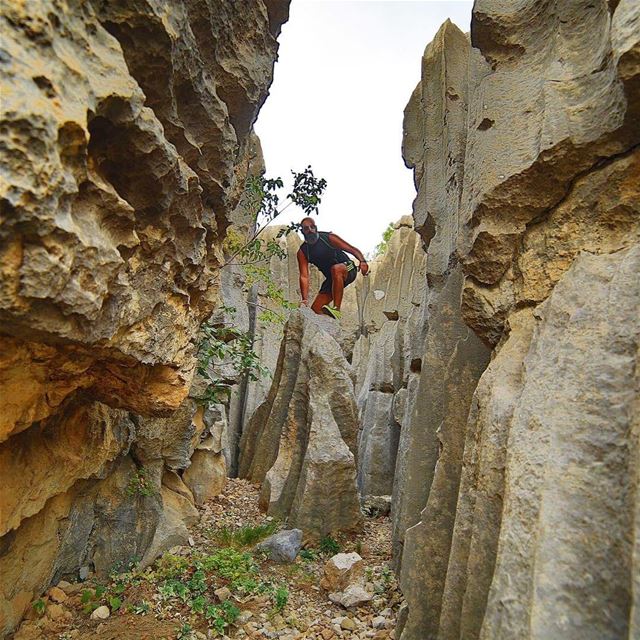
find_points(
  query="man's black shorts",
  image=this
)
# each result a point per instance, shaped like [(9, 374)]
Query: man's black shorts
[(352, 272)]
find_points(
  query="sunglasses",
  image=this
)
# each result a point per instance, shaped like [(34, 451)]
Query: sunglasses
[(306, 227)]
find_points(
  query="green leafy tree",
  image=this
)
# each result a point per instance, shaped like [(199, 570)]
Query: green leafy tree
[(383, 245), (222, 344)]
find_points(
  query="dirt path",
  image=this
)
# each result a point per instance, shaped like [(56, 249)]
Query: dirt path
[(218, 587)]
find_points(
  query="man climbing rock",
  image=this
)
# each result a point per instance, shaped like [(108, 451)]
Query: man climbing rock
[(326, 251)]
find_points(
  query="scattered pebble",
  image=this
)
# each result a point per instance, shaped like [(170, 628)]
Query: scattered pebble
[(101, 613)]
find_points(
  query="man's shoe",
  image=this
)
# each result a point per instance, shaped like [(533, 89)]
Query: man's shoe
[(332, 311)]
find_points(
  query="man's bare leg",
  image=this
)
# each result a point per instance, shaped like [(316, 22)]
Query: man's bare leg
[(320, 301), (338, 277)]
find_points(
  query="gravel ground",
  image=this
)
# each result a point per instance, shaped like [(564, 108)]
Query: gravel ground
[(308, 613)]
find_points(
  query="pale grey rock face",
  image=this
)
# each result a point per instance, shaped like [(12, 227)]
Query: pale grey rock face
[(178, 513), (567, 472), (206, 475), (521, 501), (378, 444), (382, 357), (282, 546), (301, 441), (375, 506), (432, 442)]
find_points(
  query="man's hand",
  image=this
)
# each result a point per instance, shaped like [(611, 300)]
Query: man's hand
[(364, 267)]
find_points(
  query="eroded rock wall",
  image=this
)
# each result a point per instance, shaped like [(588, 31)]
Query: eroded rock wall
[(388, 353), (301, 441), (524, 143), (125, 141)]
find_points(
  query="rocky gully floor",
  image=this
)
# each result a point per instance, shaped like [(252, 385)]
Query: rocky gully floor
[(218, 587)]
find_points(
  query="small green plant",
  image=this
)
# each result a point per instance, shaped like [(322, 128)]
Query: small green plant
[(198, 604), (309, 555), (230, 611), (328, 546), (383, 245), (229, 563), (248, 585), (223, 345), (119, 587), (280, 598), (198, 583), (245, 536), (90, 598), (115, 603), (174, 589), (39, 606), (139, 484), (170, 566), (90, 607), (261, 200), (142, 608), (185, 632), (221, 615)]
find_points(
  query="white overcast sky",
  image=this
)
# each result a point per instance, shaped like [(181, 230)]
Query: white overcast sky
[(345, 72)]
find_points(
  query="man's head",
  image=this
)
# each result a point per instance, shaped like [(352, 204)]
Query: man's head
[(309, 230)]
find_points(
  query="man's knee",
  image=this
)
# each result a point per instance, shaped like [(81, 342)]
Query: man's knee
[(339, 270)]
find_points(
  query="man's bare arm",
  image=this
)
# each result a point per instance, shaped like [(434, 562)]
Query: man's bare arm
[(339, 243), (303, 267)]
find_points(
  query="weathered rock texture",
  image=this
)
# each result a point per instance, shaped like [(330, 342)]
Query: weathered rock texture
[(387, 354), (525, 147), (125, 138), (301, 441)]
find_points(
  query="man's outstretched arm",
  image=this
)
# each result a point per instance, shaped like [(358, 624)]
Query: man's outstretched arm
[(339, 243), (303, 267)]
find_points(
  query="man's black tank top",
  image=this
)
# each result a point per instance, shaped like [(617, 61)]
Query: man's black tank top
[(322, 254)]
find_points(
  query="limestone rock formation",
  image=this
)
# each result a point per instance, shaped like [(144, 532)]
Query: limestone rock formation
[(385, 356), (518, 484), (207, 473), (301, 441), (126, 137)]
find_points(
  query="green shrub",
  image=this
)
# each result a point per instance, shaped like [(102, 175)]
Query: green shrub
[(383, 245), (229, 563), (139, 484), (280, 598), (170, 566), (328, 546), (308, 554), (221, 615), (142, 608), (246, 536), (39, 606)]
